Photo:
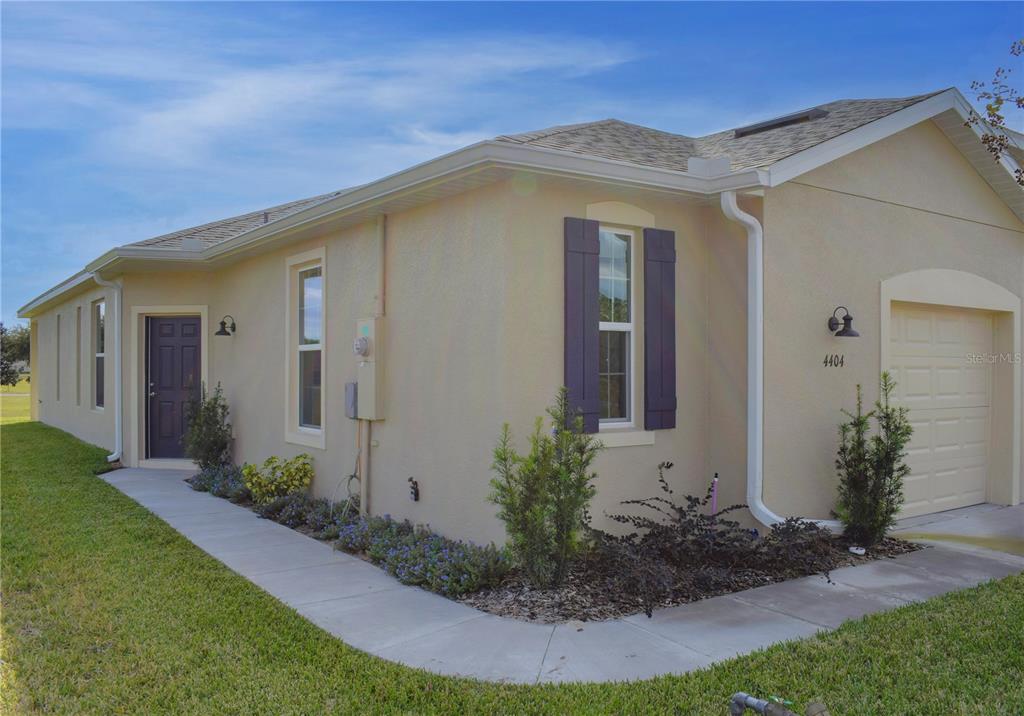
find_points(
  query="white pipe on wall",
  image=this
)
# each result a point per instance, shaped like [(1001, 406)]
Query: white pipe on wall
[(118, 408), (755, 363)]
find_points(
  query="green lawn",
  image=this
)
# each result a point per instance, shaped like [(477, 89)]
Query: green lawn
[(13, 408), (107, 610), (22, 386)]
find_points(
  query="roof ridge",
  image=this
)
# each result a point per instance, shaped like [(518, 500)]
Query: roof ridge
[(552, 131), (256, 212)]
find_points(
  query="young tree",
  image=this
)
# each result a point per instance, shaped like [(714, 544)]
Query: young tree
[(543, 496), (996, 95), (872, 468), (8, 373)]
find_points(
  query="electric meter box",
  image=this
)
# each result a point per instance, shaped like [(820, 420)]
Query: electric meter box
[(367, 350)]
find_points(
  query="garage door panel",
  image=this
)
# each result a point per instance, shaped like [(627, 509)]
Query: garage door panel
[(949, 398), (928, 383)]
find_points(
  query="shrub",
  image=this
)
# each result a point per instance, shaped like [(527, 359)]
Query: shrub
[(419, 557), (682, 541), (871, 469), (685, 534), (797, 546), (221, 481), (543, 496), (207, 438), (277, 478)]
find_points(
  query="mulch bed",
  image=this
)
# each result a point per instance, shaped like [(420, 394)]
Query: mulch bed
[(590, 592)]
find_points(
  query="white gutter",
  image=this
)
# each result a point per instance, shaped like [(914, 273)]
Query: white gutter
[(118, 408), (755, 364), (755, 358)]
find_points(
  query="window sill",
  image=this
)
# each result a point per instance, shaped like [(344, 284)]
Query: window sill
[(625, 437), (307, 439)]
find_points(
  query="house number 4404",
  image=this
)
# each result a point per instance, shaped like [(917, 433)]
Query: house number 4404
[(834, 360)]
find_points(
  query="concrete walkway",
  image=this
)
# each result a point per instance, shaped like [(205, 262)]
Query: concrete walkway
[(369, 610)]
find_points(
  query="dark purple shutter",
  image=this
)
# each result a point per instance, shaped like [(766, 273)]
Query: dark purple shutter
[(659, 329), (582, 319)]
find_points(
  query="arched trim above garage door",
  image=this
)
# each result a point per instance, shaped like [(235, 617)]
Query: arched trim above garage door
[(960, 289)]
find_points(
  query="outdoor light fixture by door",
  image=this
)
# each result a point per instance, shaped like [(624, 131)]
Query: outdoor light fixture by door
[(847, 329), (224, 329)]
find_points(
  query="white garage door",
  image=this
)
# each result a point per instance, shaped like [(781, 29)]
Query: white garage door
[(949, 397)]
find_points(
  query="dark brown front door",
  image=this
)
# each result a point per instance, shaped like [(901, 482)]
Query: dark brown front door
[(172, 373)]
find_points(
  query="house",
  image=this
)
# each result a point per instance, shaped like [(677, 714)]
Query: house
[(681, 287)]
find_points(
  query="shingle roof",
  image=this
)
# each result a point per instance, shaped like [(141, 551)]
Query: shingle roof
[(621, 141), (615, 139), (217, 231)]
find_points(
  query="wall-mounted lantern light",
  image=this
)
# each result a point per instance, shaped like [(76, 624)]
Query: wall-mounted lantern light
[(847, 329), (225, 329)]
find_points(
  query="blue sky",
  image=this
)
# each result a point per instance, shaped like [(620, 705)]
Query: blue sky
[(123, 121)]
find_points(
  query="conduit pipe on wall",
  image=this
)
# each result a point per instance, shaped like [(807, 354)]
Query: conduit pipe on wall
[(755, 363), (118, 408), (379, 306)]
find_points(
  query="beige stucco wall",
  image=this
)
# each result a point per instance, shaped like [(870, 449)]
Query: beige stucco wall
[(472, 338), (472, 335), (73, 410), (831, 236)]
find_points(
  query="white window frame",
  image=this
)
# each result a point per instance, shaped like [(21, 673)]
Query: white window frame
[(294, 432), (630, 420), (93, 345)]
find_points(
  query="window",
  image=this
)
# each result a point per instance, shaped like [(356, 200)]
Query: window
[(99, 342), (306, 346), (310, 330), (615, 285)]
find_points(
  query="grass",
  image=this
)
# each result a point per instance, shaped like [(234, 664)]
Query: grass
[(13, 408), (107, 610), (21, 386)]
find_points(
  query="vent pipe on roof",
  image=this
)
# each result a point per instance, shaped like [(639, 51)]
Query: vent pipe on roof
[(118, 408), (755, 363)]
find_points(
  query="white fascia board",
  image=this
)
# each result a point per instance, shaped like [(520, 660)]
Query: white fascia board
[(476, 157), (865, 135), (494, 154), (65, 286)]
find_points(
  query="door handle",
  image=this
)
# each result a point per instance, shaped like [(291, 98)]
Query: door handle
[(152, 394)]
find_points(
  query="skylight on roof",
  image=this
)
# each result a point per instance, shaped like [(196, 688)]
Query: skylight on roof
[(796, 118)]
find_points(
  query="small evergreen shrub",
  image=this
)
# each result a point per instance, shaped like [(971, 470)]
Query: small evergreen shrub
[(419, 557), (871, 467), (277, 478), (207, 438), (543, 496)]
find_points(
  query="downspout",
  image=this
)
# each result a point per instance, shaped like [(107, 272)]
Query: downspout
[(755, 363), (118, 408)]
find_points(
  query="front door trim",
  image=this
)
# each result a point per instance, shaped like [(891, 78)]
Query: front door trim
[(136, 427)]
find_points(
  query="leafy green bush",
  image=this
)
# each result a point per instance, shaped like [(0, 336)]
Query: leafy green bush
[(419, 557), (221, 481), (277, 478), (207, 438), (543, 496), (872, 468)]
